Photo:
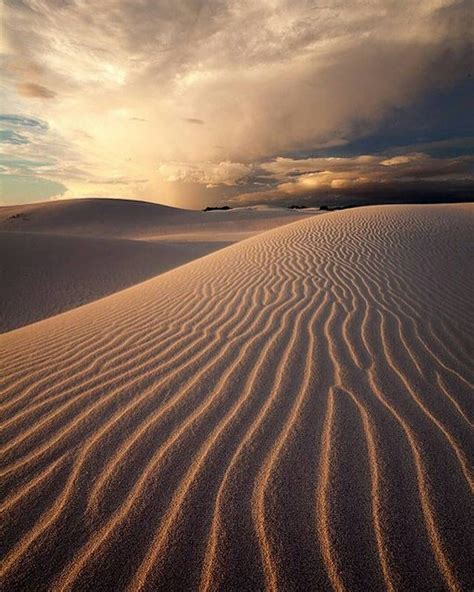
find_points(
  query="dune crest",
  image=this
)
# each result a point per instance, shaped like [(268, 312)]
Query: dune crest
[(292, 412)]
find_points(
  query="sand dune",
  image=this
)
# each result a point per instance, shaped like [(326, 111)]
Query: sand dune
[(292, 412), (55, 256), (121, 218), (118, 218), (45, 274)]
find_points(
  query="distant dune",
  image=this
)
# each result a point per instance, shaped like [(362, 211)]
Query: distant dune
[(121, 218), (58, 255), (118, 218), (292, 412)]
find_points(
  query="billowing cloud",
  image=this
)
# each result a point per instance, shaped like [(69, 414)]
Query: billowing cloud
[(209, 174), (276, 77), (363, 178)]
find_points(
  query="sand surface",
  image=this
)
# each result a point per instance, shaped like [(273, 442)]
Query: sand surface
[(292, 412), (55, 256)]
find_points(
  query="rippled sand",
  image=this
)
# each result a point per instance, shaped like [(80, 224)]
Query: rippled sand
[(55, 256), (292, 412)]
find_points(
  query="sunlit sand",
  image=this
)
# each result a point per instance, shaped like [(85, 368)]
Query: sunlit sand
[(55, 256), (290, 412)]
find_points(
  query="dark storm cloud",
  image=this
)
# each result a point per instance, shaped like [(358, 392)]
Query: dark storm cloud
[(365, 178)]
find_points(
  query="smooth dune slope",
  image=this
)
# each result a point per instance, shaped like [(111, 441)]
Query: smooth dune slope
[(99, 217), (45, 274), (292, 412), (55, 256)]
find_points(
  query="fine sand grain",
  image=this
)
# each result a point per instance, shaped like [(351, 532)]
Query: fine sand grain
[(292, 412)]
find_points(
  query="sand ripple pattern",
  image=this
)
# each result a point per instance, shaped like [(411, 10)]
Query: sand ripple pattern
[(291, 413)]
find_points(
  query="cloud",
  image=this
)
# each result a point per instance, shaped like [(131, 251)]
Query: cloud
[(36, 150), (194, 120), (33, 90), (12, 137), (308, 73), (284, 77), (363, 178), (397, 160), (115, 181), (24, 122), (206, 173)]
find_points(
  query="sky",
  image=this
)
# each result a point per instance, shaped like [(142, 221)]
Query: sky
[(194, 103)]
